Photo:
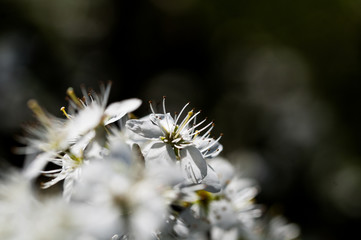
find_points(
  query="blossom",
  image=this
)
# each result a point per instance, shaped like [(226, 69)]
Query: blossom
[(165, 140), (121, 185), (23, 215), (229, 213), (157, 177), (72, 142)]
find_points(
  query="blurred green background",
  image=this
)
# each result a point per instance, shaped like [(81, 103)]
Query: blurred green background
[(280, 78)]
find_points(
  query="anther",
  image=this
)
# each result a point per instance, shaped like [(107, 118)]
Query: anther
[(184, 123), (73, 97), (151, 106), (38, 111), (64, 112)]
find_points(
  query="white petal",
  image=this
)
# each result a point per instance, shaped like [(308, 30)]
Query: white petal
[(211, 181), (34, 168), (117, 110), (193, 164), (87, 120), (68, 188), (144, 127), (224, 169), (164, 121), (160, 154)]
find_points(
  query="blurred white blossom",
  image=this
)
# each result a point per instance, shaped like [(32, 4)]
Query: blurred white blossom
[(157, 177)]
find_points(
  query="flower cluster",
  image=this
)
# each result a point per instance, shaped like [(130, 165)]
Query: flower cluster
[(157, 177)]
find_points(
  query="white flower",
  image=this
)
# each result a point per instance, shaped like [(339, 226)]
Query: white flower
[(81, 137), (49, 136), (123, 186), (24, 216), (167, 140), (236, 203), (280, 229), (224, 169), (230, 213)]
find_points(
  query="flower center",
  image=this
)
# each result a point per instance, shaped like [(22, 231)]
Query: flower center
[(184, 134)]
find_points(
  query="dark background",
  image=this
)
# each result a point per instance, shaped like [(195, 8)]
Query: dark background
[(280, 78)]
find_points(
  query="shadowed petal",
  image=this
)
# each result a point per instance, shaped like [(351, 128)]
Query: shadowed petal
[(193, 164), (159, 154), (211, 181), (144, 128)]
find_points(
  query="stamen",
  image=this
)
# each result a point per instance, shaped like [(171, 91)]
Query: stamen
[(85, 95), (90, 96), (210, 154), (196, 134), (184, 122), (180, 113), (191, 130), (51, 171), (182, 146), (193, 116), (106, 94), (176, 140), (211, 145), (38, 111), (200, 123), (65, 113), (208, 132), (151, 107), (166, 117), (95, 96), (73, 97)]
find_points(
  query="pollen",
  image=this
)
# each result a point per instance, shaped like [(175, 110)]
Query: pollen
[(65, 113)]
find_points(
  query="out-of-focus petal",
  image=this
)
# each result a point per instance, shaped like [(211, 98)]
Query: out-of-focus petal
[(37, 165), (117, 110), (211, 181)]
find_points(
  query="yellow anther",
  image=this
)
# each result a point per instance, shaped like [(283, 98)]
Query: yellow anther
[(73, 97), (38, 111), (185, 122), (64, 112), (196, 134)]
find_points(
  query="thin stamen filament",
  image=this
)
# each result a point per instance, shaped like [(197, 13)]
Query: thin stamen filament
[(65, 113), (184, 123), (207, 133), (38, 111), (210, 154), (193, 117), (180, 113), (151, 107), (166, 117), (106, 94), (73, 97), (211, 145), (204, 128)]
